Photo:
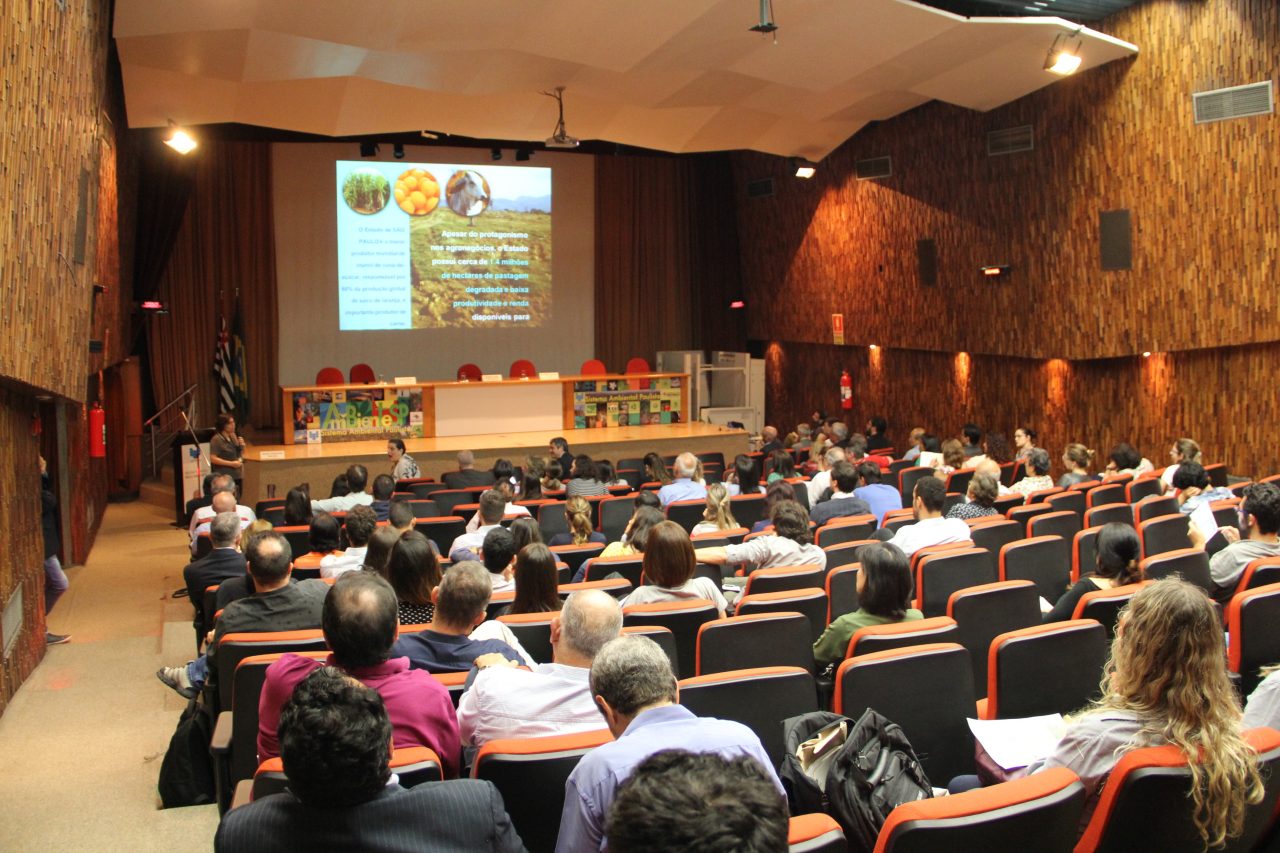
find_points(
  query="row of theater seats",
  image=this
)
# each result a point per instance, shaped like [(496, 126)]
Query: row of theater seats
[(521, 368)]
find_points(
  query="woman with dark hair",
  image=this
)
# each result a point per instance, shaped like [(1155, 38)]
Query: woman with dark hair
[(584, 482), (669, 567), (782, 466), (537, 581), (551, 477), (1117, 565), (995, 447), (340, 488), (525, 531), (225, 449), (404, 468), (743, 480), (1024, 441), (297, 507), (606, 474), (414, 572), (655, 470), (378, 554), (1125, 459), (504, 472), (323, 536), (635, 534), (885, 590), (777, 492)]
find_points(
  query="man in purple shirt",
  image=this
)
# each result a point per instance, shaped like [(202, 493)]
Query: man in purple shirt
[(359, 624), (461, 600), (683, 487), (635, 690)]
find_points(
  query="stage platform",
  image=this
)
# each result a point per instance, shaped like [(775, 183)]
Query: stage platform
[(288, 465)]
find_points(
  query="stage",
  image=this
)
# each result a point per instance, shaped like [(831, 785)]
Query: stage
[(287, 465)]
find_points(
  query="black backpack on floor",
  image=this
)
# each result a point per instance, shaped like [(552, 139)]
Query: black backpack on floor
[(186, 774)]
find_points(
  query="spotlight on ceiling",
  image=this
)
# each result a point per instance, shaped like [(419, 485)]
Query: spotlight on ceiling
[(368, 149), (495, 154), (560, 138), (397, 151), (804, 168), (766, 24), (994, 270), (523, 154), (180, 139), (1064, 54)]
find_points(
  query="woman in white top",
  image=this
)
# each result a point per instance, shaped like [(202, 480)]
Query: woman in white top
[(1183, 450), (669, 566), (404, 468), (717, 516), (1037, 478)]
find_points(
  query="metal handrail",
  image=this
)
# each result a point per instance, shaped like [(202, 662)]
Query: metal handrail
[(150, 424), (169, 405)]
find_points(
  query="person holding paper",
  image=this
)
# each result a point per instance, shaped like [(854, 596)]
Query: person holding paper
[(1119, 551), (1260, 519)]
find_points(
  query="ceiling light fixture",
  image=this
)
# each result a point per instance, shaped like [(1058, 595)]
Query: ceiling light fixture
[(766, 24), (495, 154), (560, 138), (397, 151), (180, 139), (1064, 54), (804, 168)]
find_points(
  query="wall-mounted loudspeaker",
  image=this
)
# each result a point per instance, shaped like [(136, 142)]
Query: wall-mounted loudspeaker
[(927, 262), (1115, 232)]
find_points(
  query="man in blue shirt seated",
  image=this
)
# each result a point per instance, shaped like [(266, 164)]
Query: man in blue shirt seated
[(683, 487), (461, 600), (635, 690), (880, 497)]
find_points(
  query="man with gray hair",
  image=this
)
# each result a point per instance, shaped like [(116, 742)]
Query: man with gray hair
[(467, 476), (683, 487), (221, 502), (821, 481), (223, 562), (503, 701), (636, 692), (204, 514)]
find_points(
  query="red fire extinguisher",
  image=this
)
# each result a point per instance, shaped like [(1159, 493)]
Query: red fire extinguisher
[(97, 431), (846, 390)]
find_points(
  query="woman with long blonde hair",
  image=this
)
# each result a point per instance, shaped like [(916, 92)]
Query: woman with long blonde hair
[(1166, 683), (577, 513), (717, 516)]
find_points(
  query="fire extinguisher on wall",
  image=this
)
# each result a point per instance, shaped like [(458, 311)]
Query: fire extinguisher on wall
[(846, 390), (97, 431)]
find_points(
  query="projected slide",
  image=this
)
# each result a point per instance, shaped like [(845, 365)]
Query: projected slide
[(438, 245)]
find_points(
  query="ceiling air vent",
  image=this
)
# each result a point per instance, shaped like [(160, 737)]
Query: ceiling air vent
[(876, 167), (760, 188), (1235, 102), (1010, 140)]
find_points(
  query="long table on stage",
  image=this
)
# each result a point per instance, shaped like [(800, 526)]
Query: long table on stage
[(285, 466)]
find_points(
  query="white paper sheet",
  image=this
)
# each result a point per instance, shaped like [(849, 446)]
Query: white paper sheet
[(1018, 742), (1202, 518)]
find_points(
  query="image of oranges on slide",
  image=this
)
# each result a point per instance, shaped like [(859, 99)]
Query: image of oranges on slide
[(417, 192)]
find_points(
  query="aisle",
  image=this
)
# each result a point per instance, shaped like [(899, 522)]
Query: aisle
[(81, 742)]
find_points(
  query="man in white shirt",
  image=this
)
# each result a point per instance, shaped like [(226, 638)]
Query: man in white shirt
[(360, 524), (930, 527), (467, 546), (205, 514), (222, 502), (357, 480), (553, 698), (821, 481)]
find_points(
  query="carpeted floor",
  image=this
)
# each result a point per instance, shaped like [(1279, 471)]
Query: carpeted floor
[(81, 742)]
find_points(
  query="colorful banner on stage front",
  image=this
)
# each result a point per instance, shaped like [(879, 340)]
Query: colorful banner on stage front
[(357, 414), (626, 402)]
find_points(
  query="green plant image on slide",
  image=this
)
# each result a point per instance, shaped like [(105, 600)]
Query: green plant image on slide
[(366, 191), (493, 271)]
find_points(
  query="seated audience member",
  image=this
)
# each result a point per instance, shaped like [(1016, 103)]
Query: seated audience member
[(876, 437), (240, 586), (493, 505), (510, 509), (525, 531), (655, 470), (635, 690), (402, 465), (930, 528), (444, 646), (913, 444), (1193, 489), (608, 476), (551, 478), (505, 473), (930, 451), (414, 572), (1260, 519), (992, 469), (1263, 706), (669, 567), (359, 525), (743, 479), (839, 432), (277, 604), (821, 481), (204, 499), (1077, 458), (879, 496), (856, 453), (777, 492), (357, 480), (995, 447), (378, 553), (804, 437), (635, 534), (1183, 450), (1119, 552), (383, 488), (359, 622), (584, 481), (335, 743), (844, 500), (781, 466), (980, 499), (885, 591), (537, 579), (679, 800), (577, 513), (972, 434), (323, 538), (683, 487), (222, 502), (1168, 685), (202, 514), (1024, 441), (790, 544), (1037, 473), (222, 563), (339, 488), (466, 476), (498, 553), (297, 507), (953, 459), (400, 515), (559, 449), (718, 515), (1124, 459), (503, 701), (769, 440)]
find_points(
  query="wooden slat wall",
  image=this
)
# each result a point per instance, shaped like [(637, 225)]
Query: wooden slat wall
[(1205, 203), (1223, 398)]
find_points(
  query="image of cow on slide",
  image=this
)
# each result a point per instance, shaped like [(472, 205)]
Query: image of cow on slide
[(467, 193)]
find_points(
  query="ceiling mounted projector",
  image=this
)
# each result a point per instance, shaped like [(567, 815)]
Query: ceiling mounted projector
[(560, 138)]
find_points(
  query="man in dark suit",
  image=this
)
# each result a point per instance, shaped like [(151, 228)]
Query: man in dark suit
[(560, 452), (467, 476), (335, 742), (843, 501), (223, 562)]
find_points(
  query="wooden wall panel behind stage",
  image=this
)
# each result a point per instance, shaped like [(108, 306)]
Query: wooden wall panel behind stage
[(1209, 395), (1205, 202)]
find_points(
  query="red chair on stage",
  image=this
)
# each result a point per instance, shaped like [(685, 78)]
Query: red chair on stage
[(469, 373), (522, 368), (362, 373), (330, 376), (594, 367), (638, 365)]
